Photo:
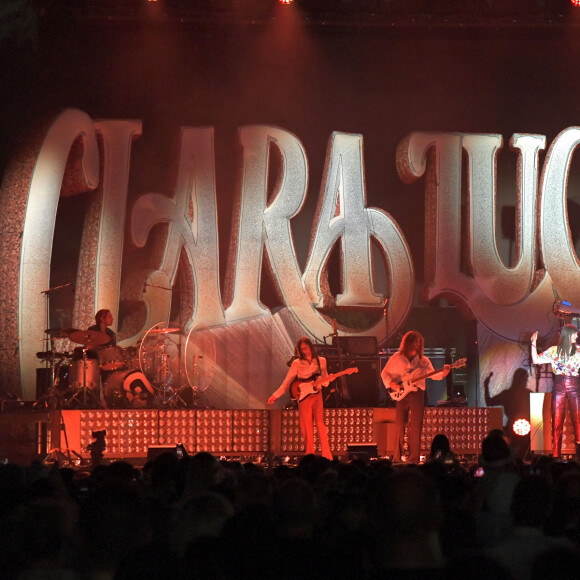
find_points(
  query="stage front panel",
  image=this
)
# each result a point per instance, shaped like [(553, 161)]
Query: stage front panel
[(130, 433)]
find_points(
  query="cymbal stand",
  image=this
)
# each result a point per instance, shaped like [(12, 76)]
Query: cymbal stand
[(167, 396), (199, 400), (50, 400), (85, 391), (53, 398)]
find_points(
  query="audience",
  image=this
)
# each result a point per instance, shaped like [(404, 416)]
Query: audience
[(531, 505), (494, 490), (199, 517)]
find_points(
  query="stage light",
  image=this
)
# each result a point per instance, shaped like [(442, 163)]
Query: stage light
[(521, 427), (285, 2), (575, 3)]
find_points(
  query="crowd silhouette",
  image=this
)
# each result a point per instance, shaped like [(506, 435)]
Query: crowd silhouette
[(202, 517)]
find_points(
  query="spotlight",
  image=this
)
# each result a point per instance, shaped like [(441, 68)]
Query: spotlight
[(521, 427), (286, 2), (575, 3)]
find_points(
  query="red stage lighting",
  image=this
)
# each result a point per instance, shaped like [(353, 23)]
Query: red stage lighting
[(285, 1), (521, 427)]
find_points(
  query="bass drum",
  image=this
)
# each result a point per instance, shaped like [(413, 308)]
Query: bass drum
[(128, 390)]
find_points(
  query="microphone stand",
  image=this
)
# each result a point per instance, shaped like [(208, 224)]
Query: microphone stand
[(385, 307), (384, 341), (339, 391), (50, 400)]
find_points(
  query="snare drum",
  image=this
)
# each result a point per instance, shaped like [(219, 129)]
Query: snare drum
[(127, 389), (89, 379), (111, 358)]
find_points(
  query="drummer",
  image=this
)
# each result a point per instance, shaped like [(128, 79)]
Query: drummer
[(95, 340), (104, 319)]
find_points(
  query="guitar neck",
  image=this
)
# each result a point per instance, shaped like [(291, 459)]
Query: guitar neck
[(455, 365), (426, 375), (328, 378)]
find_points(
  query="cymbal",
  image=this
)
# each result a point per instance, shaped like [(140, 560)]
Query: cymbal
[(89, 337), (164, 330), (60, 332)]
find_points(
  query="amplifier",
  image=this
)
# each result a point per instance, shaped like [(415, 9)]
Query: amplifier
[(357, 345), (360, 389)]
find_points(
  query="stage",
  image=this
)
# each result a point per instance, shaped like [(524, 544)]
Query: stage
[(135, 434)]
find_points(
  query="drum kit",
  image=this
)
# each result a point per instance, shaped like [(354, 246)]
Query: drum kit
[(76, 377), (155, 373)]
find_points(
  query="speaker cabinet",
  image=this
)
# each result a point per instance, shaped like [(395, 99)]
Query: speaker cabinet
[(43, 377), (360, 389), (357, 345)]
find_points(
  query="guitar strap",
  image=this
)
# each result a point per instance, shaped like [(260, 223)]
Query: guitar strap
[(318, 363), (314, 376), (415, 364)]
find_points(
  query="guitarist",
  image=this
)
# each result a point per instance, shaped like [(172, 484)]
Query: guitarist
[(409, 410), (307, 366)]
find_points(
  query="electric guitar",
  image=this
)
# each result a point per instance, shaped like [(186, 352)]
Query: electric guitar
[(406, 383), (299, 390)]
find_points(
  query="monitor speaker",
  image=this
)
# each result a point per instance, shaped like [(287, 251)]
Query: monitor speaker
[(364, 451), (154, 451)]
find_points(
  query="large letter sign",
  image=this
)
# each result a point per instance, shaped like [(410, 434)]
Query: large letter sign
[(30, 194), (342, 213), (462, 259), (192, 221), (482, 282)]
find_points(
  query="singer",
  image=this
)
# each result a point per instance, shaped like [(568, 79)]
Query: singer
[(565, 361), (307, 366)]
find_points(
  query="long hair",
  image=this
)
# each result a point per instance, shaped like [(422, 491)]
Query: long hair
[(565, 346), (101, 315), (408, 343), (298, 351)]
